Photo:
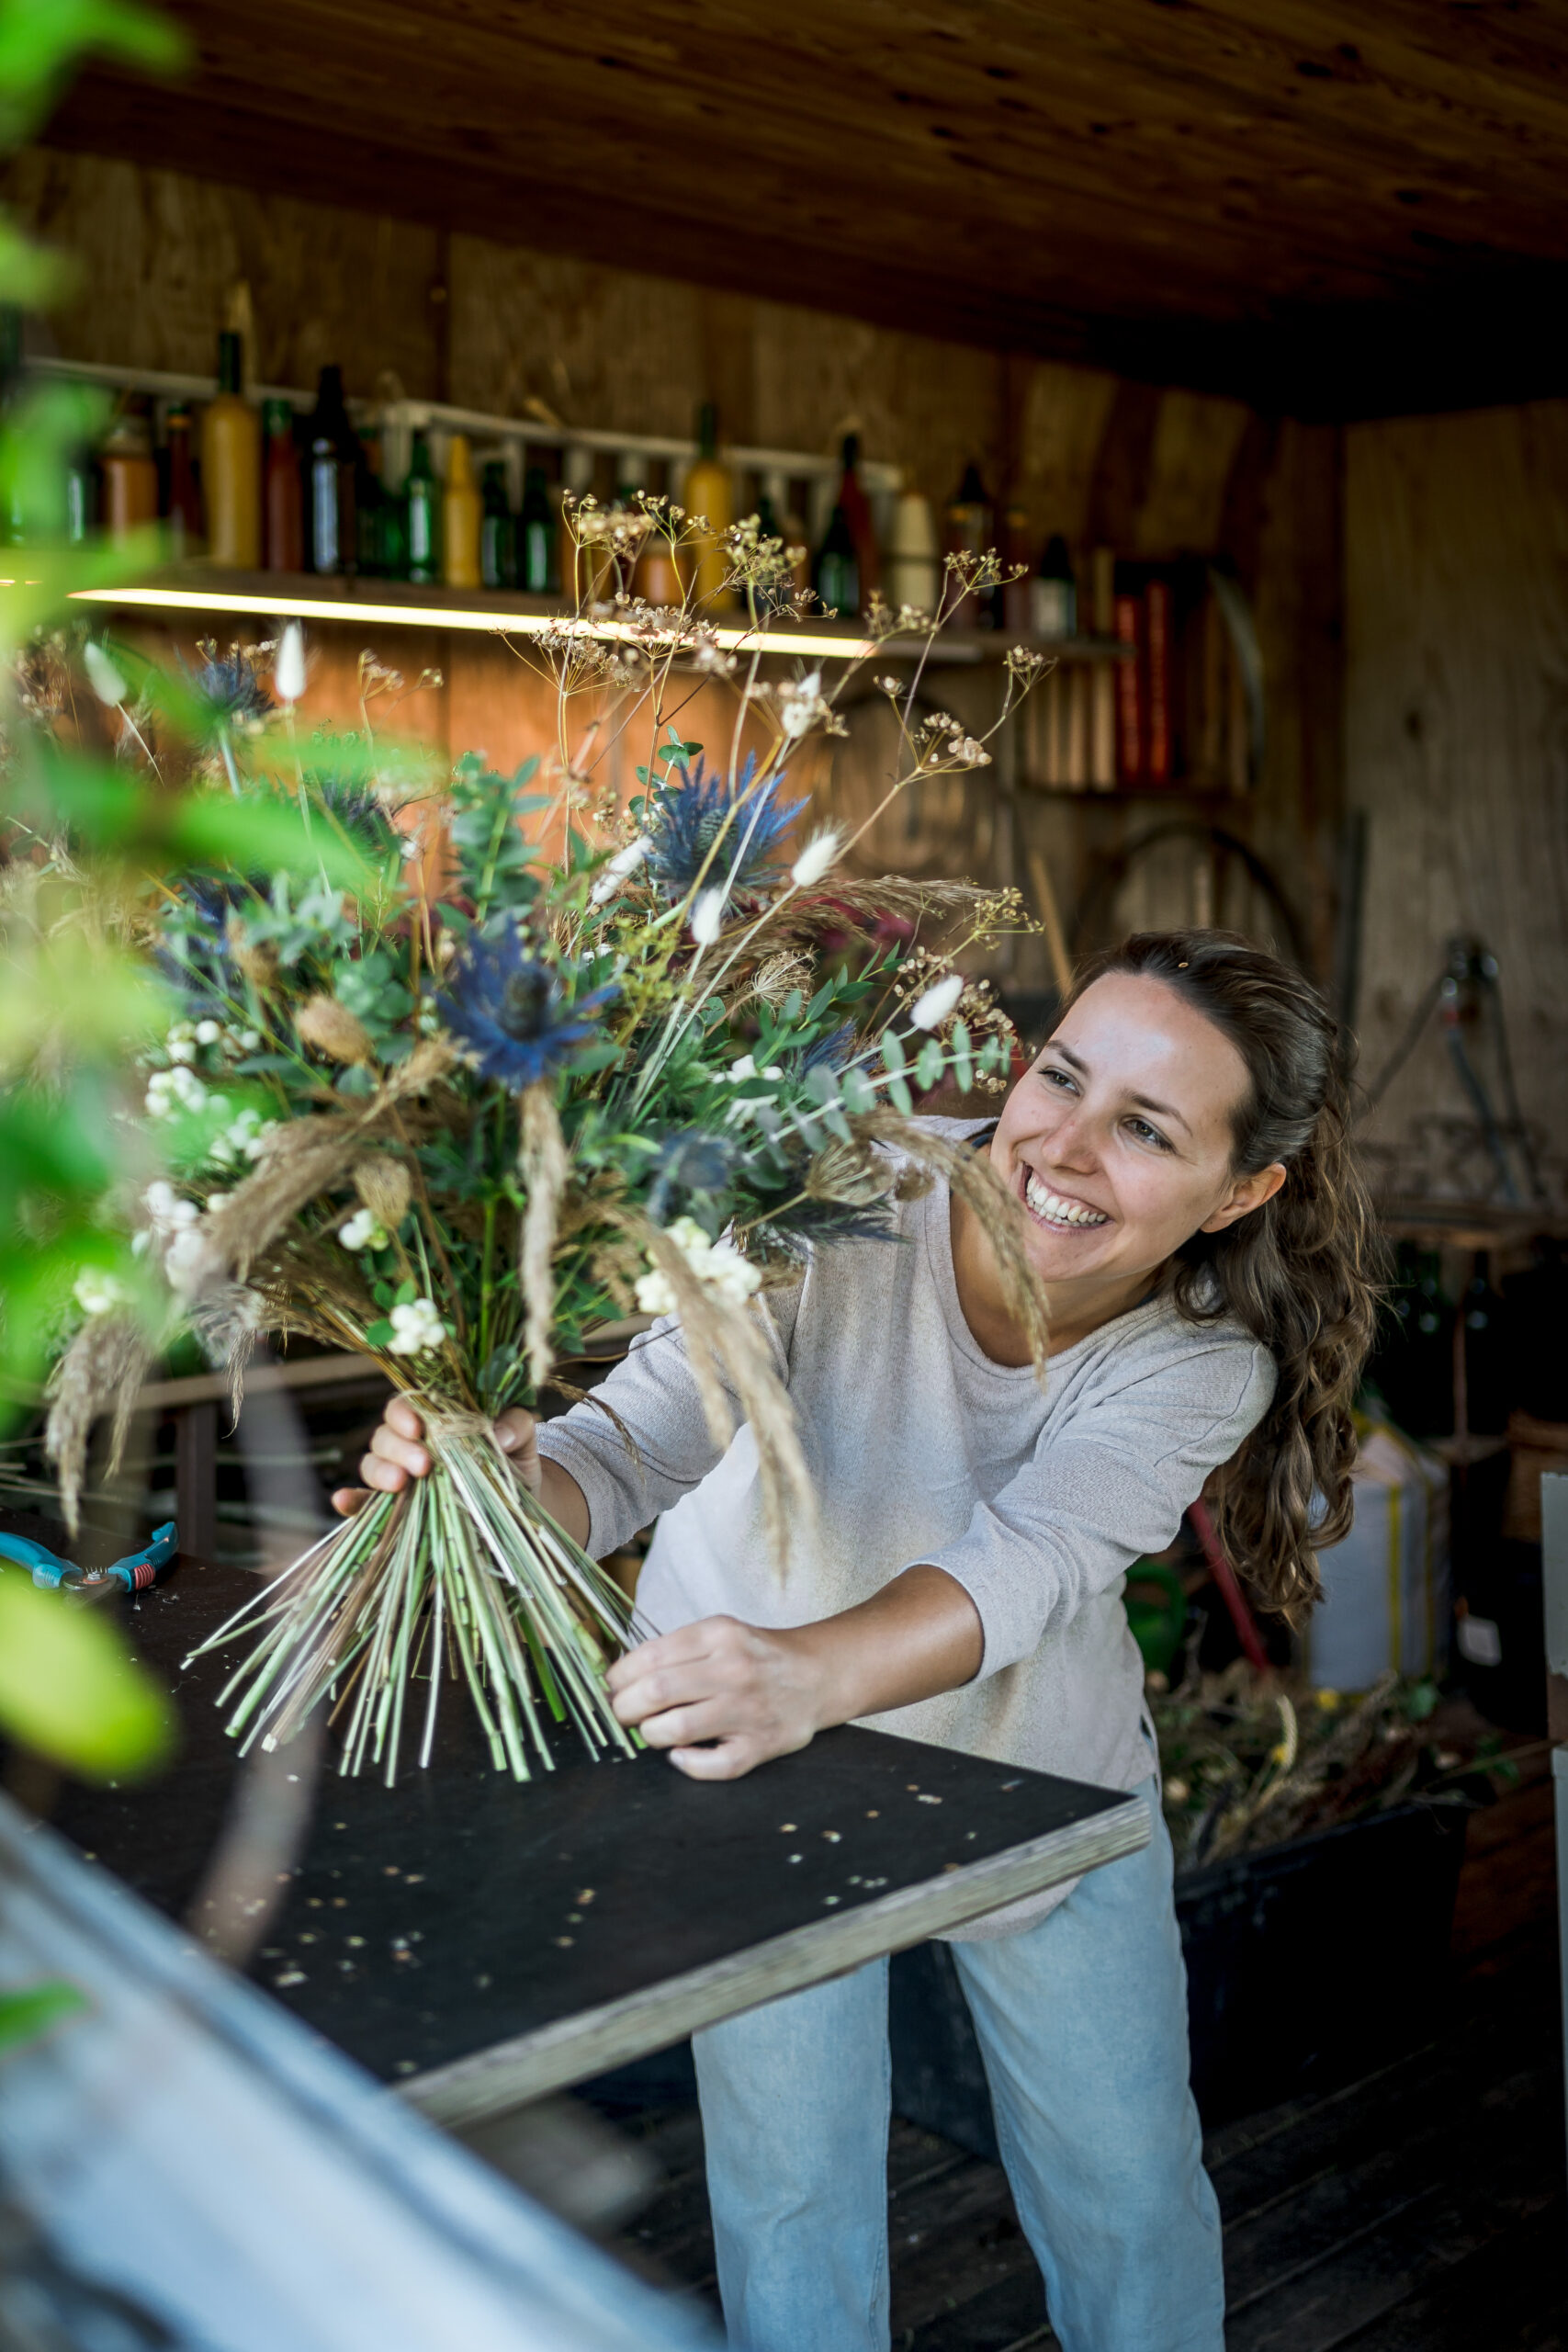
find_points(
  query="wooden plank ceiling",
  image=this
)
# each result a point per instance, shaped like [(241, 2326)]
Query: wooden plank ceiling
[(1332, 208)]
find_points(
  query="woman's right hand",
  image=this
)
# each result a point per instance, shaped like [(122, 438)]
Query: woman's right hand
[(397, 1454)]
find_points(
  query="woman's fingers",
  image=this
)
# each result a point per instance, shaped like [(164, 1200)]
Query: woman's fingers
[(348, 1499), (401, 1417), (518, 1434), (395, 1452), (724, 1759), (720, 1697)]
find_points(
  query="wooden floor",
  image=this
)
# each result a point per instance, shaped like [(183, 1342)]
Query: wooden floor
[(1420, 2209)]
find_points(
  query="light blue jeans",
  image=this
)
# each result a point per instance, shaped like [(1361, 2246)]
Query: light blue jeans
[(1082, 2020)]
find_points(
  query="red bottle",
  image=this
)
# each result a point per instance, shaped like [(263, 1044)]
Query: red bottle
[(184, 497), (858, 515), (283, 518)]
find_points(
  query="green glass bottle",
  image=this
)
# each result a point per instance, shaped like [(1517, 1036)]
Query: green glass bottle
[(497, 529), (837, 574), (422, 507), (536, 538)]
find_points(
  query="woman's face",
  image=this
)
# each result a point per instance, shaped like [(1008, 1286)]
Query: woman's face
[(1118, 1141)]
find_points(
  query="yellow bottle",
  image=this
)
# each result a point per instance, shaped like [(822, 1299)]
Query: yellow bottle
[(462, 516), (230, 468), (709, 491)]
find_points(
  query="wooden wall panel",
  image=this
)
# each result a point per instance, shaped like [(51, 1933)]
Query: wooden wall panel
[(607, 348), (1298, 599), (1456, 737), (1195, 443), (159, 251)]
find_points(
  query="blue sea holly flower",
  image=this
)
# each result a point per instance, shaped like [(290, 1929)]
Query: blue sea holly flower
[(692, 1161), (230, 688), (686, 814), (513, 1015)]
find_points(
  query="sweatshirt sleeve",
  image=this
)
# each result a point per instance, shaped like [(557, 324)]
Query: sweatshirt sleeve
[(1102, 1490), (652, 1396)]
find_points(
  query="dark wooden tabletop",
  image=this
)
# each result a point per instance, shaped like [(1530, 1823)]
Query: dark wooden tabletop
[(478, 1943)]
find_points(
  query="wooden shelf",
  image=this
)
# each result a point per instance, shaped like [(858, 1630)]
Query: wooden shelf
[(1180, 795), (1469, 1225), (200, 590)]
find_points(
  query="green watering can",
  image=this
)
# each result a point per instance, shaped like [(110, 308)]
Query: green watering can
[(1158, 1625)]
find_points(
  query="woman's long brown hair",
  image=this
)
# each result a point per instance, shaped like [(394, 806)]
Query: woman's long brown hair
[(1301, 1274)]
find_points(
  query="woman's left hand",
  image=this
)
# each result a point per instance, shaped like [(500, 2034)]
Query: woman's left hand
[(723, 1697), (750, 1693)]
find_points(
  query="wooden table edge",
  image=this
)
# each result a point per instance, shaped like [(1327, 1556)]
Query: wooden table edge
[(512, 2073)]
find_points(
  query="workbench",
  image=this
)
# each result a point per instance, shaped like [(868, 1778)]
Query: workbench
[(477, 1943)]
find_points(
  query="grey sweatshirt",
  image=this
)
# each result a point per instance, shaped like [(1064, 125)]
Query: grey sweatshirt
[(923, 1449)]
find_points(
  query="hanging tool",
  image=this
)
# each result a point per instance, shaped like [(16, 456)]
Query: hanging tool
[(133, 1574), (1465, 997)]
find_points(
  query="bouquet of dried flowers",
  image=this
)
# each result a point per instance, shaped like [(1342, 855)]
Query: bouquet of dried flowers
[(544, 1064)]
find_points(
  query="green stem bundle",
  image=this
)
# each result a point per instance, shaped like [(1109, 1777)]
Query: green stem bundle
[(463, 1573)]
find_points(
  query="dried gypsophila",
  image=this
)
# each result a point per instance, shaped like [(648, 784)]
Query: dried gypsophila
[(798, 705), (883, 620), (621, 530)]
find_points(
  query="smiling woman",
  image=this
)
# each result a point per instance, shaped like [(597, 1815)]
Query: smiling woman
[(1178, 1159)]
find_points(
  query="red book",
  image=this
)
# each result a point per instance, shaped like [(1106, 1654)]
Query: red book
[(1130, 621), (1157, 606)]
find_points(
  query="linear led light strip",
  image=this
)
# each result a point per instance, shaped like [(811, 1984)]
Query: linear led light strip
[(334, 608)]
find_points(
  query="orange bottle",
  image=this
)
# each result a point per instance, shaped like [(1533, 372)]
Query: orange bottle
[(130, 478), (709, 491), (230, 468)]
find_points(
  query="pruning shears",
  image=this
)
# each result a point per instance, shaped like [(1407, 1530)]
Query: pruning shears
[(134, 1572)]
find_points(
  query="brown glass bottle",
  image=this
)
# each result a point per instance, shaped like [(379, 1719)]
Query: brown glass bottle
[(184, 497)]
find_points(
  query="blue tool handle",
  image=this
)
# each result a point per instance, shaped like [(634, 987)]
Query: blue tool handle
[(136, 1571), (139, 1569), (48, 1568)]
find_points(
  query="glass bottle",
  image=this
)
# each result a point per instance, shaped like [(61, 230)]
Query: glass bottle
[(1487, 1369), (1431, 1329), (1053, 595), (858, 515), (536, 538), (972, 531), (1015, 597), (631, 480), (498, 530), (184, 506), (370, 504), (658, 579), (81, 505), (230, 466), (837, 575), (332, 535), (710, 492), (284, 517), (586, 569), (461, 517), (128, 476), (422, 507), (914, 568)]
